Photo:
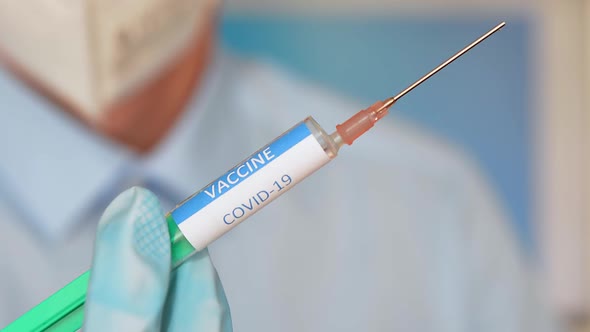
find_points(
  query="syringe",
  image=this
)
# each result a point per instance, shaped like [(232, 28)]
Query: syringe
[(232, 198)]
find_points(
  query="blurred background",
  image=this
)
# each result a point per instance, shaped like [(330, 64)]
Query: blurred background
[(517, 104)]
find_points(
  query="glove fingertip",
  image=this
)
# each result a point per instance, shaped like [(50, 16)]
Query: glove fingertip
[(131, 265), (150, 232)]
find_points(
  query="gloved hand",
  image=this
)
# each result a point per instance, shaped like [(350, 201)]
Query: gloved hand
[(131, 285)]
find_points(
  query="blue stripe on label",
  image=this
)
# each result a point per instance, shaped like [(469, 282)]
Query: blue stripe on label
[(239, 173)]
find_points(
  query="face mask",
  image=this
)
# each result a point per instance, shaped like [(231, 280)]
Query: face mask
[(92, 52)]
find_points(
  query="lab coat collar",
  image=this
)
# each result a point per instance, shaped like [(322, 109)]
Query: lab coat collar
[(53, 169)]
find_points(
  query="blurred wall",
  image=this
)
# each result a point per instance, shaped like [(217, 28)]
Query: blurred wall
[(561, 136)]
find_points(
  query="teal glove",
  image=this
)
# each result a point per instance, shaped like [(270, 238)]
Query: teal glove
[(132, 287)]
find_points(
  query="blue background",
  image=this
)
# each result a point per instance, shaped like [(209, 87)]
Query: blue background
[(479, 103)]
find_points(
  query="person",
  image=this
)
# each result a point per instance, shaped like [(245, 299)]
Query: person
[(400, 234)]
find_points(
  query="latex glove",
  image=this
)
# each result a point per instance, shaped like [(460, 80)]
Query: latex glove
[(131, 285)]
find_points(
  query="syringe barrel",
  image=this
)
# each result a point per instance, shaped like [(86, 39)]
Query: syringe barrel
[(248, 187)]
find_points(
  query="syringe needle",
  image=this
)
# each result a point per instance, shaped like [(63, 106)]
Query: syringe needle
[(392, 100), (358, 124)]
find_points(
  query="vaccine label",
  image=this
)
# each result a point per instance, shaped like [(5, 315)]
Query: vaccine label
[(249, 186)]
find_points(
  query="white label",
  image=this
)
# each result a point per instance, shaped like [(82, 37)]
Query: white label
[(249, 186)]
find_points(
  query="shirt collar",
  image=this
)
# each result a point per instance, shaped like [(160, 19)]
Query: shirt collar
[(53, 169), (173, 167)]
